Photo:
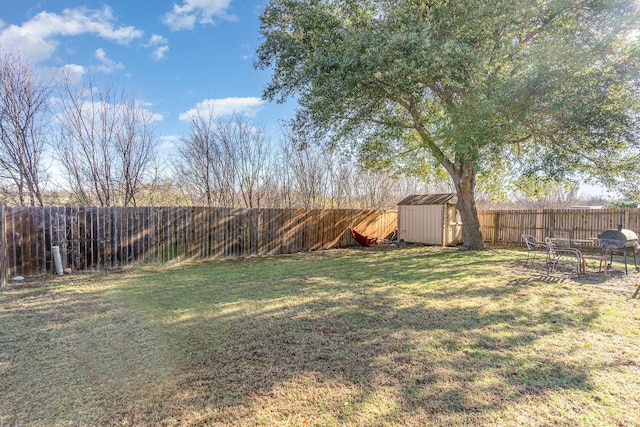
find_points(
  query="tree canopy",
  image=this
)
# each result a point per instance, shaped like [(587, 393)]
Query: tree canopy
[(483, 89)]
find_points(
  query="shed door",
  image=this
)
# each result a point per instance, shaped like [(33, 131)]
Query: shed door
[(453, 225)]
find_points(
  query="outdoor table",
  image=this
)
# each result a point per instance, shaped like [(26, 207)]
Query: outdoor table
[(568, 243), (565, 242), (585, 257), (584, 241), (561, 242)]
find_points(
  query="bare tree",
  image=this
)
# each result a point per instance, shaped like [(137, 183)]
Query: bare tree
[(374, 190), (224, 161), (245, 156), (135, 150), (196, 168), (306, 173), (23, 112), (558, 196), (105, 143), (408, 185), (317, 177), (342, 181)]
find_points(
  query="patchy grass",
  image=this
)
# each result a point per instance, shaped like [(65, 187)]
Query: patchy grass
[(417, 336)]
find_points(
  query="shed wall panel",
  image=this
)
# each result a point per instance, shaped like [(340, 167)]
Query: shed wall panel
[(421, 224)]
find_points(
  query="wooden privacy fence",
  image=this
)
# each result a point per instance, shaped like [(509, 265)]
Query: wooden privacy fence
[(3, 249), (508, 226), (103, 238)]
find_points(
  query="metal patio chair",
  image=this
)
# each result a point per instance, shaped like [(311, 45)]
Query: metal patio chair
[(534, 246), (555, 253), (562, 237)]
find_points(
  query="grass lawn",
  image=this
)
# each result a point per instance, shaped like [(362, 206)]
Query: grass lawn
[(416, 336)]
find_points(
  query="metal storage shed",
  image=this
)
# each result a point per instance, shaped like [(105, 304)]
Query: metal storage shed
[(431, 219)]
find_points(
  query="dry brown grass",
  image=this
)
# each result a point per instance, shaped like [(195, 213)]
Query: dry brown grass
[(418, 336)]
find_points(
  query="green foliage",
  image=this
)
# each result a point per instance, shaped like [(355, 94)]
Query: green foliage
[(623, 204), (506, 87), (497, 88), (538, 187)]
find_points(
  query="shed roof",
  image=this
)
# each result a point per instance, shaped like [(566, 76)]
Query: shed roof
[(427, 199)]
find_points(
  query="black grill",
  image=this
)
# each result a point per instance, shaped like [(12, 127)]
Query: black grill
[(620, 241)]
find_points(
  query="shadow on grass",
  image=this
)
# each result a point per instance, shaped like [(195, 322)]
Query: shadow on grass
[(399, 337), (369, 326)]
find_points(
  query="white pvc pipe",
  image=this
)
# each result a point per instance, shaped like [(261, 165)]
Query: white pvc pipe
[(57, 259)]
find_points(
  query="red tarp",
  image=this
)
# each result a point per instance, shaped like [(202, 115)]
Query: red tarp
[(363, 240)]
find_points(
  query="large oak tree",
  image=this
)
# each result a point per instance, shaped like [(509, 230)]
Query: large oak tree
[(540, 88)]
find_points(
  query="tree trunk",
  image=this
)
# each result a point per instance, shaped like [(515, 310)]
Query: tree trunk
[(464, 180)]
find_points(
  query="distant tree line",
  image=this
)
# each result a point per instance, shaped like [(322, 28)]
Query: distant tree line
[(92, 143)]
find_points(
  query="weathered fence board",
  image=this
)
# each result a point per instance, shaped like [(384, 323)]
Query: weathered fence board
[(508, 226), (3, 247), (103, 238)]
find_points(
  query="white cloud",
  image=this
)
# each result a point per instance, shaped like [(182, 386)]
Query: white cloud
[(185, 16), (107, 65), (37, 38), (101, 54), (88, 107), (155, 117), (73, 72), (146, 106), (160, 53), (156, 40), (160, 47), (224, 107), (168, 142)]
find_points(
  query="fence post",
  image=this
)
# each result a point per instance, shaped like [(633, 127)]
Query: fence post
[(539, 224), (496, 226), (3, 247)]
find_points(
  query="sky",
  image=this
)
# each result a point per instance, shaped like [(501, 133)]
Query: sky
[(176, 56)]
